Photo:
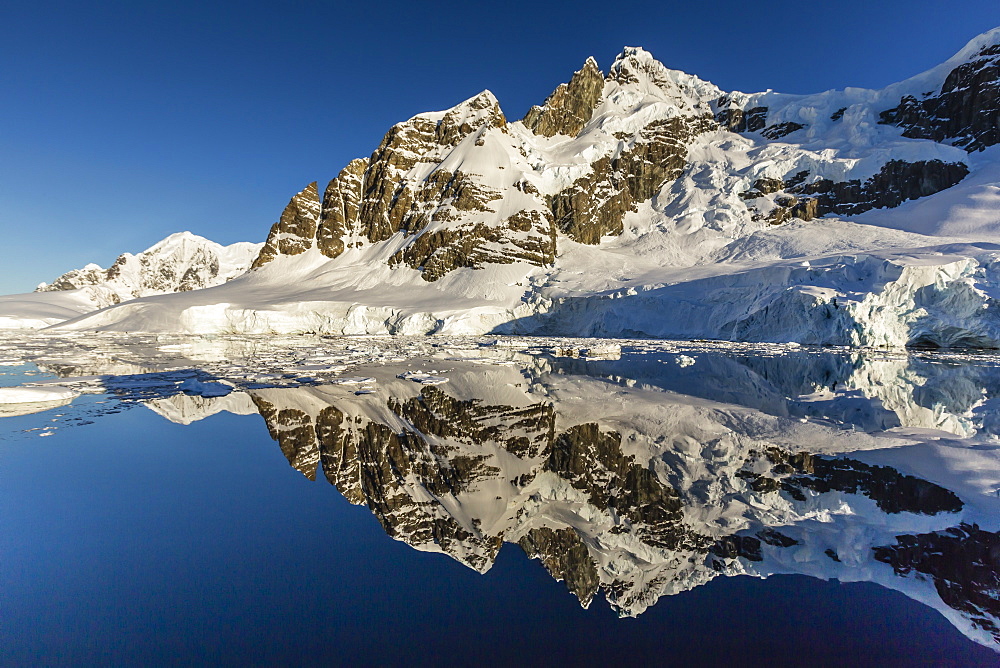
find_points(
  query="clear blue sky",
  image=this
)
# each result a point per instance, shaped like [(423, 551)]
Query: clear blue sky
[(123, 122)]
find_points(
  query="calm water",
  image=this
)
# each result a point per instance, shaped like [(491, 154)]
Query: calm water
[(529, 501)]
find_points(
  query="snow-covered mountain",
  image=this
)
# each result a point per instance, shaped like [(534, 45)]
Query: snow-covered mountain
[(179, 263), (646, 201)]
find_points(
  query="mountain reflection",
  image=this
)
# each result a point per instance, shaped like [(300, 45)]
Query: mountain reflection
[(648, 474)]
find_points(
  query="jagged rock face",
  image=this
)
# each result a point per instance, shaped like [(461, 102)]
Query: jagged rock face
[(779, 130), (75, 279), (525, 432), (964, 112), (595, 205), (964, 565), (388, 196), (593, 462), (737, 119), (463, 476), (341, 207), (455, 447), (891, 491), (896, 182), (465, 189), (400, 477), (447, 218), (570, 106), (566, 559), (180, 263), (450, 219), (295, 231), (293, 430), (444, 201)]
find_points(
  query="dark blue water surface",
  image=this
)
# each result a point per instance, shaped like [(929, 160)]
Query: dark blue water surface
[(137, 540)]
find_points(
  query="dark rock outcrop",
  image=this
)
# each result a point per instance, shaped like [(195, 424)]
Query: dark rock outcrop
[(736, 119), (341, 207), (566, 559), (596, 204), (892, 491), (293, 431), (895, 183), (570, 106), (965, 112), (779, 130), (525, 236), (963, 563), (295, 230)]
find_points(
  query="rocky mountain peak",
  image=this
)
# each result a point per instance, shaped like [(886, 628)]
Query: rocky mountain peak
[(570, 106), (963, 107), (295, 230), (638, 68), (474, 113)]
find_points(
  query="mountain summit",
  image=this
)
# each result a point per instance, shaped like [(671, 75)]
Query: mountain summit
[(648, 202)]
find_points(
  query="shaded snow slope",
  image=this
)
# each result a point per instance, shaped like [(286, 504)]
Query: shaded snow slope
[(35, 310)]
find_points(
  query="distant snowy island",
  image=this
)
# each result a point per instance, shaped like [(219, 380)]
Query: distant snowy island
[(640, 202)]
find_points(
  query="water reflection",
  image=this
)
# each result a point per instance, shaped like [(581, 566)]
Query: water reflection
[(644, 474)]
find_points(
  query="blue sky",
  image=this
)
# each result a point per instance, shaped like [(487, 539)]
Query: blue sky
[(123, 122)]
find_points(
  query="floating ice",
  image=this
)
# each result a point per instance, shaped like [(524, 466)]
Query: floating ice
[(27, 400)]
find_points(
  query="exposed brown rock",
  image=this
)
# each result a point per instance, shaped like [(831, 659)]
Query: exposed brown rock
[(570, 106), (386, 200), (525, 432), (593, 462), (566, 559), (596, 204), (526, 236), (295, 230), (341, 205), (294, 432), (895, 183), (965, 112)]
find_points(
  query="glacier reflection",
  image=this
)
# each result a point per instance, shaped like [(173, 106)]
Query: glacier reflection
[(634, 472), (653, 473)]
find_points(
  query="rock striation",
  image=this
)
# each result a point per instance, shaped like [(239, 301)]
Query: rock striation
[(570, 106), (295, 231)]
